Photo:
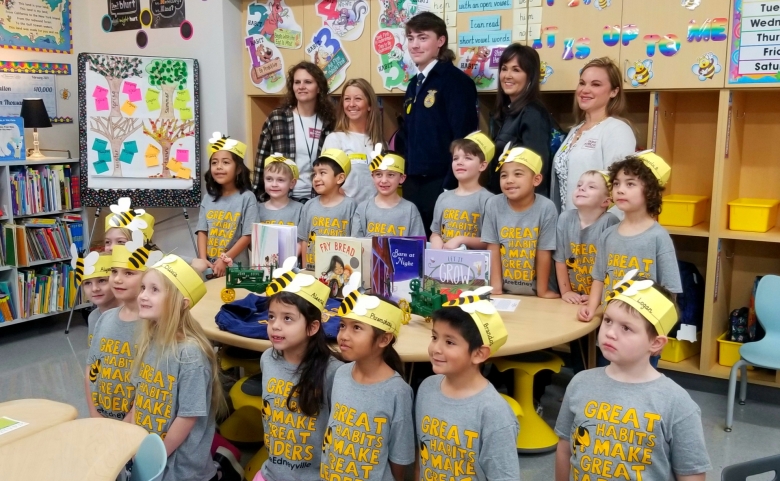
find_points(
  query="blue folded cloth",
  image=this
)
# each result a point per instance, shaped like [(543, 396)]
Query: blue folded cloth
[(248, 317)]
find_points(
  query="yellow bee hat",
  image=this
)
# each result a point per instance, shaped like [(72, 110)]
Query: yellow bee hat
[(486, 317), (660, 168), (642, 295), (484, 143), (219, 142), (521, 155), (277, 157), (186, 279), (339, 157), (370, 309), (125, 217), (94, 264), (303, 285), (386, 160), (134, 255)]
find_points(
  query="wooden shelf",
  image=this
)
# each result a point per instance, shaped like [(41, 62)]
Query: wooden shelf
[(48, 160), (765, 377), (51, 212), (773, 235), (41, 316), (699, 230), (44, 261), (690, 365)]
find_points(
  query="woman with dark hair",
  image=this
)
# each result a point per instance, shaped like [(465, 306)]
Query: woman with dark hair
[(519, 117), (298, 128)]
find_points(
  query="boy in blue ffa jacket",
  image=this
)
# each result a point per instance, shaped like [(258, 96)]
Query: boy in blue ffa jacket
[(440, 106)]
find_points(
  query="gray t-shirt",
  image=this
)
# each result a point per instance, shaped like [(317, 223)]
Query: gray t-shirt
[(577, 247), (649, 430), (287, 215), (110, 362), (369, 425), (225, 221), (91, 323), (294, 440), (459, 215), (520, 235), (403, 220), (474, 437), (178, 384), (651, 252), (333, 221)]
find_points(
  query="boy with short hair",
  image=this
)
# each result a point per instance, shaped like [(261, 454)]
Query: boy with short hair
[(97, 290), (279, 176), (331, 212), (638, 241), (578, 234), (459, 213), (627, 420), (519, 228), (387, 213), (459, 415)]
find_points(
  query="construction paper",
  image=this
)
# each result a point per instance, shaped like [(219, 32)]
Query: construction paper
[(100, 92), (101, 104), (128, 108), (128, 87), (99, 145), (182, 155), (100, 167), (131, 146)]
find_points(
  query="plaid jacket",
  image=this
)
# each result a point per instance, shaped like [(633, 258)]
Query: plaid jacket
[(278, 135)]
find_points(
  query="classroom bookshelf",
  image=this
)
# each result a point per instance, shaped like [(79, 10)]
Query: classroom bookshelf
[(41, 215)]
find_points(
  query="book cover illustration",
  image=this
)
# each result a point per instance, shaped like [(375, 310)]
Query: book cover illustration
[(272, 244), (335, 259), (452, 272), (395, 261), (12, 138)]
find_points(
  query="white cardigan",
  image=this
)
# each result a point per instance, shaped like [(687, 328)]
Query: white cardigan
[(597, 149)]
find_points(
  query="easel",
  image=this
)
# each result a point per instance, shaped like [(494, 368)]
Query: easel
[(92, 231)]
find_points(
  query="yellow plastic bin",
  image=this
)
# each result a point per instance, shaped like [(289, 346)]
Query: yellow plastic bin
[(676, 350), (753, 215), (728, 351), (683, 210)]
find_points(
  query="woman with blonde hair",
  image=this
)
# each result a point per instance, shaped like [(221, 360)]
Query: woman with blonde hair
[(358, 129), (601, 137)]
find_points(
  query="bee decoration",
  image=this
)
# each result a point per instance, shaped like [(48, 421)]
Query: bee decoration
[(283, 276), (351, 291), (629, 285), (140, 255), (125, 216), (545, 72), (468, 297), (83, 266), (602, 4), (640, 73), (94, 370), (221, 142), (327, 439), (65, 94), (706, 66), (581, 439)]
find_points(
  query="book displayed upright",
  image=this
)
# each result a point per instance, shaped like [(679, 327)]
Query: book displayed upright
[(337, 258), (454, 271), (272, 244), (395, 261)]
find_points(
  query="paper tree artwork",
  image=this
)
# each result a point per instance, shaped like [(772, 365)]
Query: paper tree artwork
[(140, 123)]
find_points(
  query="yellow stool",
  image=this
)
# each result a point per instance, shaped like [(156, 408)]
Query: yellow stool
[(535, 435), (251, 366), (245, 425), (254, 464)]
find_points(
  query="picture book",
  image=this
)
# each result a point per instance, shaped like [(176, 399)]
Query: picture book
[(272, 244), (337, 258), (452, 272), (395, 261), (12, 139)]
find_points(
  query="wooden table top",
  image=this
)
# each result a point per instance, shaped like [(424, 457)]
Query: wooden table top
[(535, 324), (82, 450), (39, 414)]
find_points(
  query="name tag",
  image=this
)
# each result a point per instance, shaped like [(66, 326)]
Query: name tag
[(358, 158), (590, 144), (314, 133)]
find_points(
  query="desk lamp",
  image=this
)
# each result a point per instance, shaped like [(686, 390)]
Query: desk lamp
[(35, 117)]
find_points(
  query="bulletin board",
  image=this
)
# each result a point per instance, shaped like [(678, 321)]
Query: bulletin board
[(139, 130), (754, 44)]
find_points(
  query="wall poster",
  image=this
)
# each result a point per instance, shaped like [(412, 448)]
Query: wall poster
[(38, 25), (755, 42)]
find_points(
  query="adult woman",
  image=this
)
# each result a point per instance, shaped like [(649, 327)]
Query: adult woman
[(358, 130), (519, 116), (600, 137), (298, 128)]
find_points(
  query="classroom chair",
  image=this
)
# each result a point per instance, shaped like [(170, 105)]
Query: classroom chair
[(742, 471), (245, 425), (254, 464), (762, 353), (149, 462), (235, 358), (535, 435)]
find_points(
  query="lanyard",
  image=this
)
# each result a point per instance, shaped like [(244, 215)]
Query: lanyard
[(309, 149)]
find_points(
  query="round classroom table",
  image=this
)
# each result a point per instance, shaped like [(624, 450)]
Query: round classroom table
[(39, 414), (535, 324), (81, 450)]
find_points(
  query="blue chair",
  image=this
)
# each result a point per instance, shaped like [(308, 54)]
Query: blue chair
[(742, 471), (149, 462), (763, 353)]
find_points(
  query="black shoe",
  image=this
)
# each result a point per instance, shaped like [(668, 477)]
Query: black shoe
[(229, 468)]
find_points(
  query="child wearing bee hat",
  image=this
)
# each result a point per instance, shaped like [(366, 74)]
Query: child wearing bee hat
[(520, 229), (638, 241), (387, 214), (297, 375), (628, 406), (459, 213), (94, 283), (178, 393), (280, 175), (466, 332), (124, 219), (331, 212), (229, 209), (371, 404)]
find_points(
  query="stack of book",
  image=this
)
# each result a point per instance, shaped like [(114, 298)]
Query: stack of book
[(47, 289), (7, 309), (43, 188), (41, 239)]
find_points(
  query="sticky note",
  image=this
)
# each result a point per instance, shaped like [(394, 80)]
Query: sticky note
[(126, 157), (100, 92), (101, 104), (520, 33), (185, 113), (152, 94), (173, 165), (535, 15), (180, 104), (153, 104), (131, 146), (135, 95), (184, 173), (128, 87), (182, 155), (520, 17), (104, 156), (450, 18), (152, 150), (534, 31), (100, 167), (128, 108), (152, 160), (99, 145), (183, 95)]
